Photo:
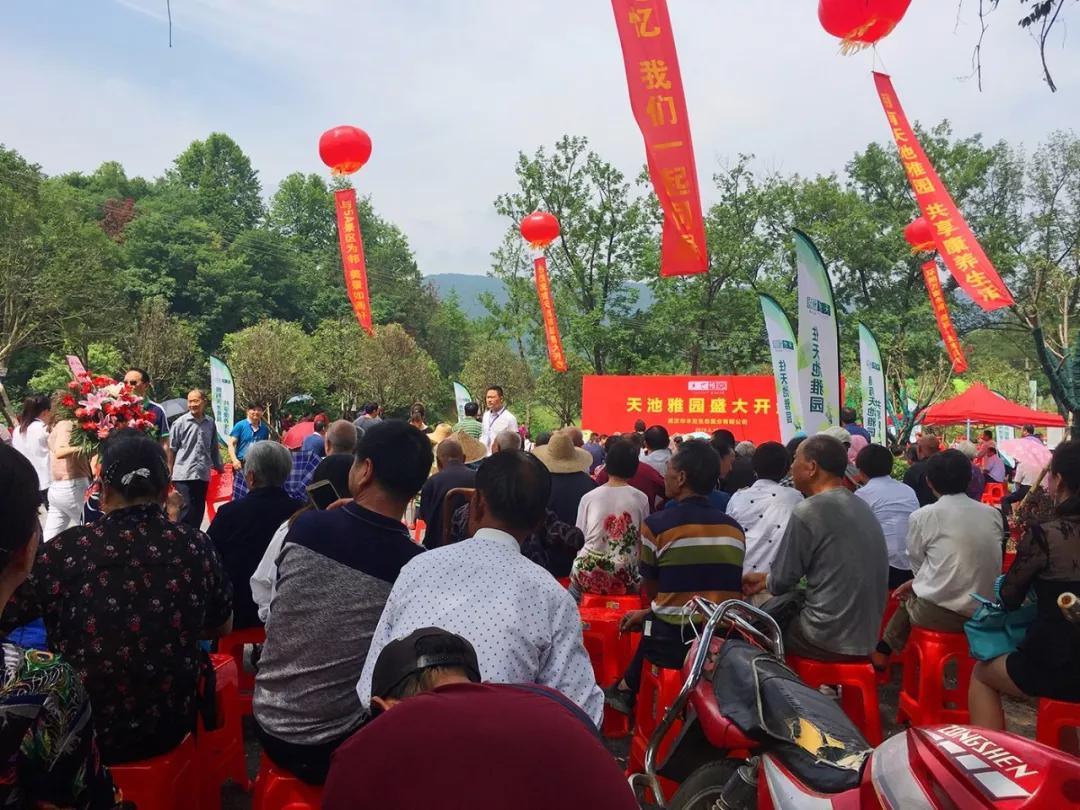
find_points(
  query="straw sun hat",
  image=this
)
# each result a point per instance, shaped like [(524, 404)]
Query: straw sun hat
[(560, 456), (474, 450)]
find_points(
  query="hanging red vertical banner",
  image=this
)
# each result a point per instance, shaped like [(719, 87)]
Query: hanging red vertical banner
[(352, 256), (656, 98), (944, 321), (547, 309), (956, 243)]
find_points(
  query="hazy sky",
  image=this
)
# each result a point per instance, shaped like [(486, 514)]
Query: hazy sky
[(451, 91)]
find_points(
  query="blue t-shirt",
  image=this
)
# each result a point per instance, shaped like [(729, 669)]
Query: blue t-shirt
[(245, 435), (315, 443)]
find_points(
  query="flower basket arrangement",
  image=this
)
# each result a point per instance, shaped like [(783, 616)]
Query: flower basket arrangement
[(98, 406)]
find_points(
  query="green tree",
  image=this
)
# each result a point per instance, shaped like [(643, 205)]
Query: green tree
[(494, 362), (605, 232), (561, 391), (100, 358), (226, 187), (270, 362), (167, 347)]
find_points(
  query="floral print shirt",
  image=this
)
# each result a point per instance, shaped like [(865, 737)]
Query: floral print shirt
[(48, 754), (125, 601), (610, 518)]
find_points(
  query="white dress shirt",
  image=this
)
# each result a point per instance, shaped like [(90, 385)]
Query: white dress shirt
[(264, 580), (524, 625), (494, 423), (955, 551), (762, 509), (34, 444), (892, 503)]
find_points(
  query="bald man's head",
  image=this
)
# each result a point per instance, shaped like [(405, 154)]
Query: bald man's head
[(340, 437), (576, 436), (449, 451)]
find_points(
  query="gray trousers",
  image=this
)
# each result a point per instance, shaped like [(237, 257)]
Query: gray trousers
[(922, 613)]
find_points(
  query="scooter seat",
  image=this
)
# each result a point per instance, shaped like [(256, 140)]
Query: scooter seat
[(805, 729)]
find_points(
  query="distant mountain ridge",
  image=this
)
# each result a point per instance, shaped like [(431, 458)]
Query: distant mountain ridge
[(470, 287)]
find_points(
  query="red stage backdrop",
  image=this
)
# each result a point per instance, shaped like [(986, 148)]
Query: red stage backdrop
[(744, 405), (656, 97)]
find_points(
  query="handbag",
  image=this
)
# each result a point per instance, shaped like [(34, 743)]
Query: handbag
[(994, 631)]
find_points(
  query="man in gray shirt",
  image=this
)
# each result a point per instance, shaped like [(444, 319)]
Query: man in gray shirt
[(193, 452), (834, 540)]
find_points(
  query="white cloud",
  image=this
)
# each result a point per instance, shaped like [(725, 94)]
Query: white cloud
[(451, 91)]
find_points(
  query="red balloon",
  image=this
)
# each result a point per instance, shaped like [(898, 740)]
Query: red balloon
[(920, 234), (345, 149), (861, 23), (540, 229)]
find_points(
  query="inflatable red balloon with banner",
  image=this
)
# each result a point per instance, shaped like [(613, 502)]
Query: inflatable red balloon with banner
[(861, 23), (921, 235), (345, 149), (540, 229)]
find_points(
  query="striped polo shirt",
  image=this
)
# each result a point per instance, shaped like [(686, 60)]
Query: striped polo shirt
[(692, 549)]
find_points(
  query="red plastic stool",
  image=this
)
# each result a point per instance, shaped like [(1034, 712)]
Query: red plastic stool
[(219, 491), (610, 654), (1056, 717), (923, 695), (419, 528), (892, 604), (233, 644), (221, 751), (620, 602), (659, 688), (993, 493), (858, 692), (166, 782), (277, 789)]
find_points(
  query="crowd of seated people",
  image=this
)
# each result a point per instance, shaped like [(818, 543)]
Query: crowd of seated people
[(373, 640)]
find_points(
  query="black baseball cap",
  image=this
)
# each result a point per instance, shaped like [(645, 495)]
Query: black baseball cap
[(421, 649)]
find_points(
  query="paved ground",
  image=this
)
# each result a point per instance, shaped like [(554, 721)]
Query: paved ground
[(1021, 715)]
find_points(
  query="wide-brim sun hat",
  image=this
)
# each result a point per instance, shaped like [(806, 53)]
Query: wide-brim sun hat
[(560, 456), (441, 431), (474, 450)]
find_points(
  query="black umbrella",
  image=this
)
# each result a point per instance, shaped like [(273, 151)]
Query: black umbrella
[(174, 408)]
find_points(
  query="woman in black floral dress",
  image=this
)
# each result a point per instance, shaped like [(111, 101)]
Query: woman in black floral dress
[(48, 754), (126, 600)]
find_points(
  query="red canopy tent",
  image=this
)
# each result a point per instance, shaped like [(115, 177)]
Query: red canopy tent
[(981, 406)]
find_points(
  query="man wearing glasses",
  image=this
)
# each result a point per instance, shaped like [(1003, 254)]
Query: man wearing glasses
[(138, 380)]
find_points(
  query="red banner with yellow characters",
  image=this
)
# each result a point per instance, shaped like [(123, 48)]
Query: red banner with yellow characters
[(944, 321), (656, 97), (547, 309), (744, 405), (956, 243), (352, 256)]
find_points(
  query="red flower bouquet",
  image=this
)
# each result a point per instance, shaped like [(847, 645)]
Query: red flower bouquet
[(98, 406)]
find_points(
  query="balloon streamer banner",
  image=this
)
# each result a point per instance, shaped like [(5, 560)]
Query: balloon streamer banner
[(956, 243), (819, 340), (873, 385), (944, 321), (222, 397), (547, 309), (656, 98), (352, 256), (785, 363)]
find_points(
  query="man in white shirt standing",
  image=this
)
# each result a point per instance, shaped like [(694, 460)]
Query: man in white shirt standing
[(892, 503), (955, 550), (496, 418), (763, 509), (524, 625)]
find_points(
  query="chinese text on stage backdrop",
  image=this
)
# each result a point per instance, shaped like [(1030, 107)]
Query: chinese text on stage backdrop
[(744, 405)]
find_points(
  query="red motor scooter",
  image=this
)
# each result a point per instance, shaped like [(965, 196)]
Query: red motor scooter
[(755, 736)]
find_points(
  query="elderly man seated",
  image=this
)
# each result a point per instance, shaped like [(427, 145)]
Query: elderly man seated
[(242, 529)]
